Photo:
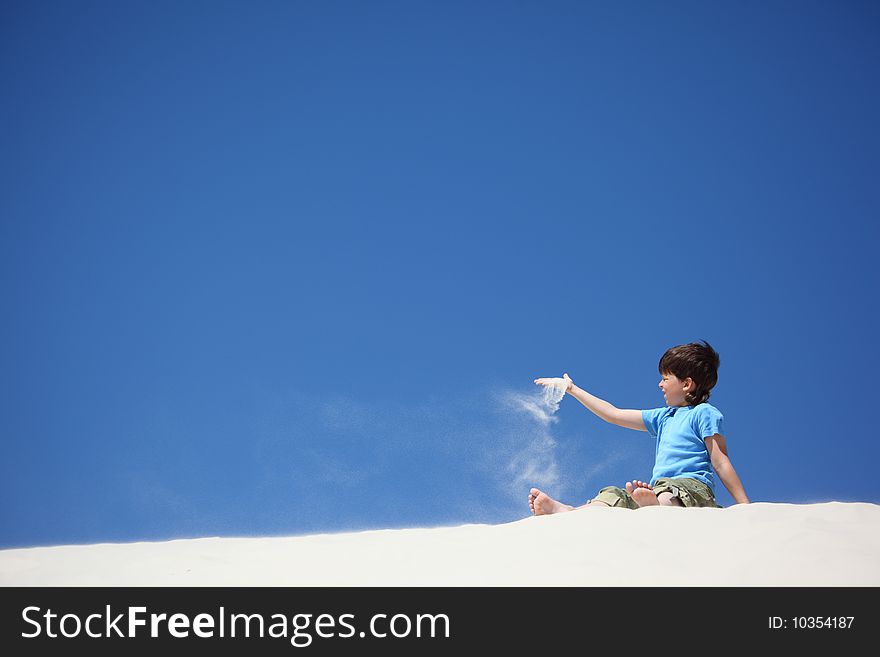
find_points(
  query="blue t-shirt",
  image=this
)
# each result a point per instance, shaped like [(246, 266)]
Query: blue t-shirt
[(681, 450)]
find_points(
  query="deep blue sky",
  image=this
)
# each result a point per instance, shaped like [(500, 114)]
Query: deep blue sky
[(285, 267)]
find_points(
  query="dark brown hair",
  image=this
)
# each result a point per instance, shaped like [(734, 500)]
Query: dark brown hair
[(699, 362)]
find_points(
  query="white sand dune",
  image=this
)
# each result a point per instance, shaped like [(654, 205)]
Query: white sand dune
[(762, 544)]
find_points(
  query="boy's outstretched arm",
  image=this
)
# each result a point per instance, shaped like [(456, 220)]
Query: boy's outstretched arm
[(717, 447), (631, 419)]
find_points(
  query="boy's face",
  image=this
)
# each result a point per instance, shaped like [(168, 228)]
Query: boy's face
[(674, 389)]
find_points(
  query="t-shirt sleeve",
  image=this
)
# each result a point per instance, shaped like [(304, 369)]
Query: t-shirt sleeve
[(651, 418), (709, 422)]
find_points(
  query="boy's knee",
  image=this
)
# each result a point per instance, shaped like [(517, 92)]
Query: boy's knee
[(616, 497), (668, 499)]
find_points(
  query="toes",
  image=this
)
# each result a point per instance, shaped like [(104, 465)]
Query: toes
[(629, 487)]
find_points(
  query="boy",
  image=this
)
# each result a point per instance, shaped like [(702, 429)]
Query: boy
[(690, 442)]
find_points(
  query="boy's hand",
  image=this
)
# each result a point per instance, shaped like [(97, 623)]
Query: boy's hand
[(552, 381)]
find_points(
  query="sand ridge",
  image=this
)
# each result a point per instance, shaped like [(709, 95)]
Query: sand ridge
[(761, 544)]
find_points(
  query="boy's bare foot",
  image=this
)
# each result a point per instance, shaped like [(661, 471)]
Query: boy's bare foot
[(542, 504), (642, 493), (636, 483)]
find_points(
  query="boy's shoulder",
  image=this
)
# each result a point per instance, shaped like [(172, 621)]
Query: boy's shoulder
[(706, 408), (707, 420)]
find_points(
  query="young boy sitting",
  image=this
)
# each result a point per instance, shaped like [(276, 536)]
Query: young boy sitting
[(690, 442)]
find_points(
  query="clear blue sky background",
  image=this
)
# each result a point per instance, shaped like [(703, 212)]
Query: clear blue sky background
[(287, 267)]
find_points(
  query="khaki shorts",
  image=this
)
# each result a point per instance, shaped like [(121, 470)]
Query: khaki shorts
[(691, 492)]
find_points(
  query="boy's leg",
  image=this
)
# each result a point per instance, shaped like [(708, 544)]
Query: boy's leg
[(593, 504), (685, 491), (542, 504), (668, 499), (614, 497)]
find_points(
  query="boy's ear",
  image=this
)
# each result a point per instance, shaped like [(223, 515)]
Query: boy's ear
[(689, 383)]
